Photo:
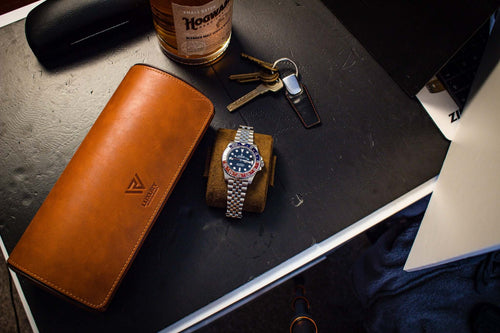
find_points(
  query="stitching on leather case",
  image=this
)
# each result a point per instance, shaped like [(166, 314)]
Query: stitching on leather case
[(155, 211), (50, 284)]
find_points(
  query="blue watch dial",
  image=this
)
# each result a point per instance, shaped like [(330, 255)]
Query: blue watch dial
[(241, 159)]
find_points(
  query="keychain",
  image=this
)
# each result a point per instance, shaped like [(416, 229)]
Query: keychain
[(298, 96), (272, 79)]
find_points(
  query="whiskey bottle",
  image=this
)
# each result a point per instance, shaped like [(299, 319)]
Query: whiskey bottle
[(194, 32)]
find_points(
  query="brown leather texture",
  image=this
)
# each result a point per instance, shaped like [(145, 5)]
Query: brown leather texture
[(88, 230), (256, 197)]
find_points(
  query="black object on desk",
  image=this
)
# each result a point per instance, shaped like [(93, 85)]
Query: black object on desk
[(374, 145), (57, 29)]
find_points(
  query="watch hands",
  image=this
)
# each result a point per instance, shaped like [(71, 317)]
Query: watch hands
[(241, 160)]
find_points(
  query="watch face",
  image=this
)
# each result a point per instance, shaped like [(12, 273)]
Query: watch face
[(241, 160)]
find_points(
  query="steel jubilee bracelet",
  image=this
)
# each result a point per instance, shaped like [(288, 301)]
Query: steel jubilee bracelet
[(240, 161)]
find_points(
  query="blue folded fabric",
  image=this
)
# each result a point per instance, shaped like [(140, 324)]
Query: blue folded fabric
[(439, 299)]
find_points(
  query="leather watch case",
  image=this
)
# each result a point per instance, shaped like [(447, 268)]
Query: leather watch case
[(93, 222)]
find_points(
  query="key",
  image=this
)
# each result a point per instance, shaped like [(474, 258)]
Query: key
[(261, 89), (261, 75), (261, 63)]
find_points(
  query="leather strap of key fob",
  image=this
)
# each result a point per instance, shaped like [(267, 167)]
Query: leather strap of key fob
[(304, 107)]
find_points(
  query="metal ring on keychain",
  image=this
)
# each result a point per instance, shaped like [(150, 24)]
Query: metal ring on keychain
[(289, 60), (291, 81)]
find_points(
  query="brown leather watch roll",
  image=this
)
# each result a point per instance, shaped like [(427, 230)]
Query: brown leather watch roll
[(90, 227)]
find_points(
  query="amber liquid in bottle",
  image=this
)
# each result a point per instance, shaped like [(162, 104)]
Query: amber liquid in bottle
[(193, 32)]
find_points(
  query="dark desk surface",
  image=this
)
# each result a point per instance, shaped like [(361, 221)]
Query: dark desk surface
[(374, 145)]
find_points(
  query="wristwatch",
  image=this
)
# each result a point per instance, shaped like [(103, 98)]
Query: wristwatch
[(240, 161)]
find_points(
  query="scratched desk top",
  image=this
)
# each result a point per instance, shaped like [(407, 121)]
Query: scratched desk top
[(374, 145)]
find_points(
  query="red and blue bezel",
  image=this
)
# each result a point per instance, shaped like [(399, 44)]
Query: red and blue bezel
[(242, 175)]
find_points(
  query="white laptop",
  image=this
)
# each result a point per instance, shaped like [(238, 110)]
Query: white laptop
[(463, 216)]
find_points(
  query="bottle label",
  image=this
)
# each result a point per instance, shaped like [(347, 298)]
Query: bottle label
[(202, 30)]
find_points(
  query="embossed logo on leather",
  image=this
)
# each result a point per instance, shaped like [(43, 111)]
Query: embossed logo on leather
[(150, 195), (136, 185)]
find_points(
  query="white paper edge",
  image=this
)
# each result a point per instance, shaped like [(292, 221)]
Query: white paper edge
[(18, 14), (17, 285), (287, 268)]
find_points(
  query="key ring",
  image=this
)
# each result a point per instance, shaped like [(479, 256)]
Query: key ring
[(289, 60), (291, 81)]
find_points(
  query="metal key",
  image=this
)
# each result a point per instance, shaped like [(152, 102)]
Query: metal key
[(261, 63), (261, 75), (261, 89)]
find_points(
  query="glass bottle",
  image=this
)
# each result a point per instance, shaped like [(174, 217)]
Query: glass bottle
[(194, 32)]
